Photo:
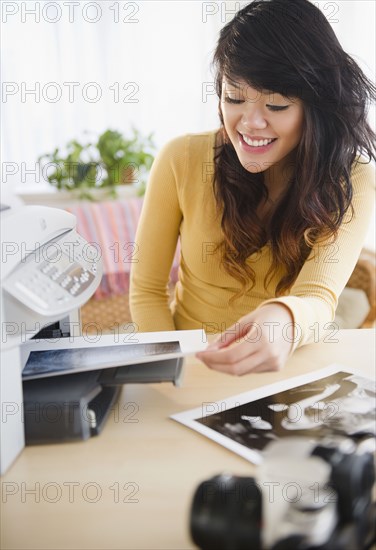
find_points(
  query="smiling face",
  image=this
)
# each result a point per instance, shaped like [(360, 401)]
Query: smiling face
[(264, 127)]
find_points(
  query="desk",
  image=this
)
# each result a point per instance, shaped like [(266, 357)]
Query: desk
[(131, 487)]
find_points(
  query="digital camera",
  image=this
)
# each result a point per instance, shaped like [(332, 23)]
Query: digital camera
[(307, 495)]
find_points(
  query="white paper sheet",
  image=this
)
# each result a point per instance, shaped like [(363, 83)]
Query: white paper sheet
[(77, 354), (331, 401)]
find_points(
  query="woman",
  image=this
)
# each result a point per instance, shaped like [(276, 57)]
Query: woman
[(273, 208)]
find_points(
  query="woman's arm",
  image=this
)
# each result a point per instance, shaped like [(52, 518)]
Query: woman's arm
[(314, 296), (156, 240), (265, 337)]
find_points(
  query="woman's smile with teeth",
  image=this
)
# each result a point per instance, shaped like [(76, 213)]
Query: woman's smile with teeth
[(257, 142)]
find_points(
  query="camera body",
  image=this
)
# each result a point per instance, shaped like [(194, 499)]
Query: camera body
[(307, 495)]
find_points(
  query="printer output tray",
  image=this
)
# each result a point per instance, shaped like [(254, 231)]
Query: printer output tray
[(75, 406)]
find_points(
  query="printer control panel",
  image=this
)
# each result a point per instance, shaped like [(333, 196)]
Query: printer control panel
[(55, 275)]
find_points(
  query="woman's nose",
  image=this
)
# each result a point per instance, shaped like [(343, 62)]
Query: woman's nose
[(253, 117)]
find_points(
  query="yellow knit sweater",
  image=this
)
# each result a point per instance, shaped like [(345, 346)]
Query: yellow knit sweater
[(179, 201)]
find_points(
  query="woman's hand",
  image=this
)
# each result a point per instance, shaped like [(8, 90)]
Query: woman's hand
[(258, 342)]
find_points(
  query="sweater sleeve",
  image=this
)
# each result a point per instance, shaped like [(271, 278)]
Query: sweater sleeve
[(156, 240), (314, 296)]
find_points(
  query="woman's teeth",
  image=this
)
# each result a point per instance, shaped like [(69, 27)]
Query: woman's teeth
[(257, 142)]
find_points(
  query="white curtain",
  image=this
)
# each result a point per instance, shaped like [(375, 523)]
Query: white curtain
[(104, 64)]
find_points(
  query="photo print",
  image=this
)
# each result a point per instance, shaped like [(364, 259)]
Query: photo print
[(59, 361), (338, 404)]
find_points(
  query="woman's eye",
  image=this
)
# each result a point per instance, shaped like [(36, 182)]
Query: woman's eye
[(229, 99), (277, 107)]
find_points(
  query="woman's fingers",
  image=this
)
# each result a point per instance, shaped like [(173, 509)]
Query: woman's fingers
[(259, 361), (249, 346), (234, 334), (230, 355)]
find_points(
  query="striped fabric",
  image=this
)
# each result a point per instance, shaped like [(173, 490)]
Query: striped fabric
[(111, 227)]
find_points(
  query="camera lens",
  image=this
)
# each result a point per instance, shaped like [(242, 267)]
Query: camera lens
[(226, 514)]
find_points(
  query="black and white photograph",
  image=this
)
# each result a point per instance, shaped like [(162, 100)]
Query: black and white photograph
[(338, 404), (45, 358), (65, 361), (341, 404)]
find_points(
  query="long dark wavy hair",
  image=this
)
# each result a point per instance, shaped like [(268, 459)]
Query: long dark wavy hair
[(288, 47)]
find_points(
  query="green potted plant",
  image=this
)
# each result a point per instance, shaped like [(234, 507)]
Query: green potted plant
[(111, 161)]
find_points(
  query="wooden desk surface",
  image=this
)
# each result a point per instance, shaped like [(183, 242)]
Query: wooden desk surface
[(131, 487)]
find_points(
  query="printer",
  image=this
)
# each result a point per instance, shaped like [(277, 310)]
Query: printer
[(48, 271)]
